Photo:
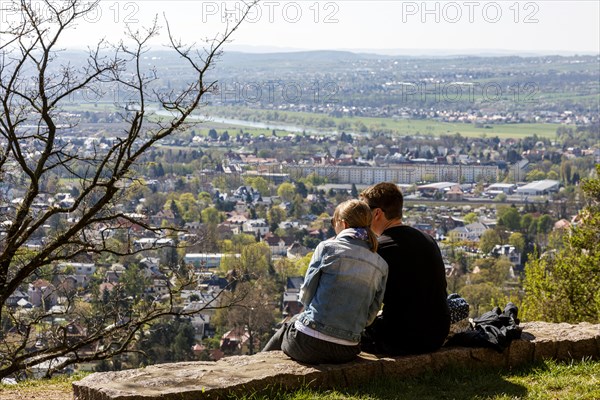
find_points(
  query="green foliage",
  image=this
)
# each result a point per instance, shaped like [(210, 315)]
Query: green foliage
[(297, 207), (471, 217), (254, 260), (314, 180), (488, 240), (302, 263), (210, 215), (545, 224), (258, 183), (169, 340), (286, 268), (518, 240), (480, 297), (562, 286), (509, 217), (535, 175), (286, 191), (134, 281), (276, 215), (500, 198)]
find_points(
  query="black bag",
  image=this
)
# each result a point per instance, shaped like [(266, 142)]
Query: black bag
[(495, 329), (459, 308)]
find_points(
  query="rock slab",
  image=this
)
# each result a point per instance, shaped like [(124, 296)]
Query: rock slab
[(274, 372)]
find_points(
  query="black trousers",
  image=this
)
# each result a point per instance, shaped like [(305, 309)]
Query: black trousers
[(380, 338), (307, 349)]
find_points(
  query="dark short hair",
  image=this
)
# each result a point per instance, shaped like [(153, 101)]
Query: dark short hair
[(387, 196)]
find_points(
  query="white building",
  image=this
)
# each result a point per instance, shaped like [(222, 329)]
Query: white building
[(471, 232), (80, 268), (399, 173), (256, 226), (539, 188), (509, 252), (206, 260), (497, 188)]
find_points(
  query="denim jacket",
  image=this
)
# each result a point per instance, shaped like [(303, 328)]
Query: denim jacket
[(343, 288)]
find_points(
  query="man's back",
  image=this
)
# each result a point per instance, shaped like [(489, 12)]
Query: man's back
[(415, 312)]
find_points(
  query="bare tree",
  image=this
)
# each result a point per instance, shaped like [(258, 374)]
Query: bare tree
[(35, 84)]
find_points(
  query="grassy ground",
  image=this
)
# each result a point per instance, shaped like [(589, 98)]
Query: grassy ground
[(57, 388), (544, 381)]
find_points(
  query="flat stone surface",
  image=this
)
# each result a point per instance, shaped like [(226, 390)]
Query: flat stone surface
[(273, 371)]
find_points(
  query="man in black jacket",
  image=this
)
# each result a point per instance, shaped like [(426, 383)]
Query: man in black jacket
[(415, 318)]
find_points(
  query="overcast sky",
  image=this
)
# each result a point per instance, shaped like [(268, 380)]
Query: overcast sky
[(430, 27)]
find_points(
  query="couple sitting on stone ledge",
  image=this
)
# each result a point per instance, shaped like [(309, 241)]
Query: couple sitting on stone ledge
[(374, 259)]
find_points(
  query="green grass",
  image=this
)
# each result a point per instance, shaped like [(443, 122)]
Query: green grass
[(544, 381), (62, 381), (547, 380), (397, 126)]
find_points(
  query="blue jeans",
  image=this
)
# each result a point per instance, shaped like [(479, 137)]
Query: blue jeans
[(307, 349)]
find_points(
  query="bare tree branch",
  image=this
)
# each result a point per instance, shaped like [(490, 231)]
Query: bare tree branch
[(34, 87)]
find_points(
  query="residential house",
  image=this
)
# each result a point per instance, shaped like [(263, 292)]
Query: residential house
[(241, 207), (258, 226), (278, 245), (424, 227), (66, 284), (15, 297), (114, 273), (236, 342), (454, 194), (153, 243), (42, 293), (435, 189), (509, 252), (296, 250), (471, 232), (291, 304), (82, 272), (205, 260), (163, 215)]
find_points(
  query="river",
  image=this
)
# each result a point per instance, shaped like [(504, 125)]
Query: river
[(254, 124)]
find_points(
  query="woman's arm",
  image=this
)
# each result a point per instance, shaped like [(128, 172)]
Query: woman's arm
[(311, 279), (377, 301)]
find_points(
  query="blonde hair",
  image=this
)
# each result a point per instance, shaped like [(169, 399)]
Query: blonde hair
[(357, 214)]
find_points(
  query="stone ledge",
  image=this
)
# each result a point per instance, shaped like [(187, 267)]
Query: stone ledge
[(274, 371)]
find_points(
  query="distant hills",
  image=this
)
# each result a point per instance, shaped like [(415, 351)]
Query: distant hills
[(235, 54), (425, 53)]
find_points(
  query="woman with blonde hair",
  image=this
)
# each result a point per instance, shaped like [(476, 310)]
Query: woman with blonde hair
[(342, 292)]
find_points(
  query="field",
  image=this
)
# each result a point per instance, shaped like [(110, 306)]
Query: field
[(324, 124)]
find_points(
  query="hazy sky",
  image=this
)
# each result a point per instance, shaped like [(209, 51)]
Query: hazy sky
[(546, 26)]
